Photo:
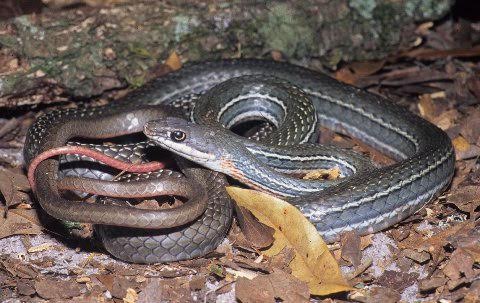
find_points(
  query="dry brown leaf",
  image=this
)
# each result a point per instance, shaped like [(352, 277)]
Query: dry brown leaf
[(323, 174), (313, 262), (473, 293), (435, 244), (268, 288), (165, 290), (345, 75), (351, 248), (197, 282), (283, 259), (383, 294), (276, 55), (120, 285), (473, 85), (466, 198), (25, 287), (13, 187), (444, 237), (426, 107), (460, 264), (446, 119), (173, 61), (258, 234), (131, 296), (460, 144), (20, 222), (470, 127), (397, 280), (431, 54), (463, 170), (429, 284), (352, 73), (366, 68), (19, 269), (474, 252), (366, 241), (57, 289), (465, 150)]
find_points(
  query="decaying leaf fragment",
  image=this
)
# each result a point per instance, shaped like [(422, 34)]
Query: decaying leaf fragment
[(19, 222), (259, 235), (173, 61), (313, 263), (13, 187), (266, 288)]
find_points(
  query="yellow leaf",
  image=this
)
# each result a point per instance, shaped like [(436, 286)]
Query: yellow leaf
[(313, 262), (131, 296), (426, 107), (173, 61), (319, 174), (461, 144)]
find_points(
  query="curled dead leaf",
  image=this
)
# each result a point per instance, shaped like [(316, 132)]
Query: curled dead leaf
[(13, 187), (366, 68), (465, 150), (258, 234), (313, 263), (345, 75), (173, 61)]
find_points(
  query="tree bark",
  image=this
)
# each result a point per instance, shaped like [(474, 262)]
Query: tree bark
[(85, 52)]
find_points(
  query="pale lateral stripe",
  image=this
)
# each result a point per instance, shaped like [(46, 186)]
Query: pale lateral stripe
[(304, 158), (374, 140), (240, 98), (272, 119), (277, 182), (309, 134), (390, 189), (378, 219), (385, 124), (272, 191)]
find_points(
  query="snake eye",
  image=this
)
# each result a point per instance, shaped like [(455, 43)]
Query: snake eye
[(178, 136)]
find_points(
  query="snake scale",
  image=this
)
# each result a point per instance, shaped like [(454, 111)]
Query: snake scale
[(368, 201)]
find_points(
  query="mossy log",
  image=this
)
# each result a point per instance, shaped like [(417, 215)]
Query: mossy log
[(84, 52)]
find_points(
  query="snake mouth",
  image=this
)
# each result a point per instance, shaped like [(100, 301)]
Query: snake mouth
[(162, 137), (150, 130)]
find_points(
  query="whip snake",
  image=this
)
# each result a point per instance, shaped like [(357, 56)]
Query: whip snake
[(367, 200)]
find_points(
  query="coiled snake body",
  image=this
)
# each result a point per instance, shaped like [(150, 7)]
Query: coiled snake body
[(369, 201)]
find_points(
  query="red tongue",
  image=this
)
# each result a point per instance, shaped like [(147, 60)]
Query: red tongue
[(96, 155)]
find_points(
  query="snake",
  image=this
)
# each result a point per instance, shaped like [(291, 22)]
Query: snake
[(366, 200)]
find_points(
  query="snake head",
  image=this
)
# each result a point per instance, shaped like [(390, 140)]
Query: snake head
[(197, 143)]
